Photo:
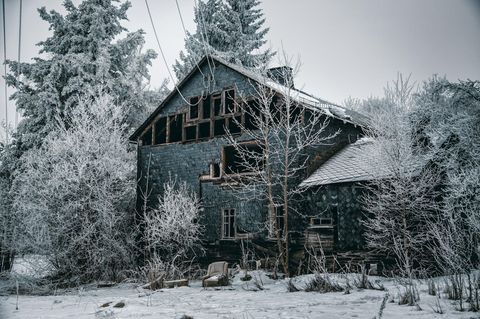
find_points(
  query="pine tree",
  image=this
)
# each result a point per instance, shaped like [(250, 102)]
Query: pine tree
[(232, 30), (205, 40), (241, 23), (80, 54)]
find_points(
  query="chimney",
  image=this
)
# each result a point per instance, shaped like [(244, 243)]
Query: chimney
[(282, 75)]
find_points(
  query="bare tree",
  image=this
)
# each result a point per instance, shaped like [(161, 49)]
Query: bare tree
[(284, 128)]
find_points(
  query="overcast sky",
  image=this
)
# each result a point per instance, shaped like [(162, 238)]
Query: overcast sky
[(347, 48)]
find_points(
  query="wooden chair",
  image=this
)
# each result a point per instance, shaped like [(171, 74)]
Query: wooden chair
[(217, 275)]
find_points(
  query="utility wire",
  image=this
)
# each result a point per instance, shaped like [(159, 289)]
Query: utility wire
[(202, 31), (162, 54), (186, 35), (19, 55), (5, 70)]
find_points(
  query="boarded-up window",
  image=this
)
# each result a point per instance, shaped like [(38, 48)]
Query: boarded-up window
[(176, 129), (147, 137), (228, 223), (246, 159), (204, 130), (161, 131), (230, 101)]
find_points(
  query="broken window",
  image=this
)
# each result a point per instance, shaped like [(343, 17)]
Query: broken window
[(219, 127), (251, 112), (321, 222), (215, 170), (176, 129), (234, 125), (228, 223), (206, 108), (147, 137), (217, 104), (230, 101), (190, 133), (235, 163), (193, 112), (204, 130), (161, 131)]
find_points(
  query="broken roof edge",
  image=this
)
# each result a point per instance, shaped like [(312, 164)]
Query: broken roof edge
[(310, 100)]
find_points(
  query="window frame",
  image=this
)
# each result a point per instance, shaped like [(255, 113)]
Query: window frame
[(226, 222)]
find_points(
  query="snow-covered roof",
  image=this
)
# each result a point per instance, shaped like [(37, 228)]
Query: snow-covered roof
[(354, 163), (329, 108)]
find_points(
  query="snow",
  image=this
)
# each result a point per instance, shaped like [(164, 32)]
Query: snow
[(240, 300)]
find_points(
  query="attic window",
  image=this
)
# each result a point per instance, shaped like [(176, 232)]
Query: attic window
[(219, 127), (190, 133), (217, 104), (204, 130), (193, 112), (206, 108), (176, 130), (230, 101), (161, 131)]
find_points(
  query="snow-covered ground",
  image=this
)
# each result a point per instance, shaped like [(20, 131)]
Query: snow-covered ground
[(235, 301)]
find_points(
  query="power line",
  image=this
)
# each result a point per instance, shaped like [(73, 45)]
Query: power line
[(186, 34), (5, 70), (19, 55), (162, 54)]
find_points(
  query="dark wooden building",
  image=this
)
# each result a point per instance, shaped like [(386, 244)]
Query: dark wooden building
[(185, 137)]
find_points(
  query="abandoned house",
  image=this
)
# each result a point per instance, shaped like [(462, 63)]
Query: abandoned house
[(186, 137)]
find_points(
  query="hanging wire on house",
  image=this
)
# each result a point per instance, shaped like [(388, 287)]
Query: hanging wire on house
[(5, 70), (163, 55), (19, 55)]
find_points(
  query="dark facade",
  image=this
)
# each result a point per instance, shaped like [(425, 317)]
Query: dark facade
[(188, 142)]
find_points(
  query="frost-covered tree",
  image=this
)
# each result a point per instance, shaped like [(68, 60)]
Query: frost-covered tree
[(74, 195), (232, 29), (82, 53), (449, 115), (205, 39), (172, 231), (401, 201)]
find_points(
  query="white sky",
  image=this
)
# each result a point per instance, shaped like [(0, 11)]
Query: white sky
[(347, 47)]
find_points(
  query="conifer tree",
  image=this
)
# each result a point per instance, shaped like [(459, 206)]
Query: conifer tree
[(231, 30), (242, 25), (79, 55), (205, 40)]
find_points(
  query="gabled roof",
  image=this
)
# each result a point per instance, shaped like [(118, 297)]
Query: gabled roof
[(305, 99), (354, 163)]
